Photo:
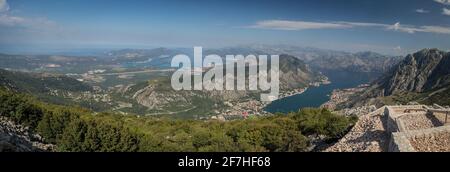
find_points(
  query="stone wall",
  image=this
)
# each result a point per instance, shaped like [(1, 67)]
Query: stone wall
[(401, 135), (400, 141), (397, 129)]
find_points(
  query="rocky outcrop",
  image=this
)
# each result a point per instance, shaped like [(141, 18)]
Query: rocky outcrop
[(295, 73), (425, 70), (154, 99), (17, 138)]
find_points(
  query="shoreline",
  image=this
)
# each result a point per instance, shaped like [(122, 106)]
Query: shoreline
[(342, 95), (253, 107), (339, 96)]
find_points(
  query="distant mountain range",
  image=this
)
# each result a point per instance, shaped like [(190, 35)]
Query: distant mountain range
[(136, 55), (320, 59)]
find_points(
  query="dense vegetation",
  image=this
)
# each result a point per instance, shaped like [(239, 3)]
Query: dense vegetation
[(436, 96), (40, 83), (441, 97), (77, 129)]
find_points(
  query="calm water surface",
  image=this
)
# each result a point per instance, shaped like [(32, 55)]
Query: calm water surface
[(316, 96)]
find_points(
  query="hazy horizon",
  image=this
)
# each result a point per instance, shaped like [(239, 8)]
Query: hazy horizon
[(386, 27)]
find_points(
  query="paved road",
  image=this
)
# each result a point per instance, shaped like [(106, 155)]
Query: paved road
[(137, 72)]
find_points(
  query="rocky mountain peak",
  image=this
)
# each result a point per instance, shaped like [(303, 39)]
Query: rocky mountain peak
[(418, 72)]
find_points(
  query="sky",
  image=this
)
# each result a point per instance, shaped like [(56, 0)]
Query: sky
[(393, 27)]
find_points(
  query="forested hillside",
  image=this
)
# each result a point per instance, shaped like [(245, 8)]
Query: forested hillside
[(77, 129)]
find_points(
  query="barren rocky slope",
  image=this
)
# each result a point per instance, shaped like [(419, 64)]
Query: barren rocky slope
[(368, 135), (422, 76)]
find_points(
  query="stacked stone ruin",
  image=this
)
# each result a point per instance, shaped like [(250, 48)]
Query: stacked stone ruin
[(409, 128), (418, 128)]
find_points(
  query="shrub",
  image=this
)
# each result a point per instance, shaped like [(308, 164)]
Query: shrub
[(73, 129)]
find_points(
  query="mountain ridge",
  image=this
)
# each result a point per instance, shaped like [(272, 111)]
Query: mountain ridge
[(423, 76)]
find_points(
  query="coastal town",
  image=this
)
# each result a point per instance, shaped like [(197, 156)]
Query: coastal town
[(251, 107), (341, 95)]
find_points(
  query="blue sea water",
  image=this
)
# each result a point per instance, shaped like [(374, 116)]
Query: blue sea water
[(316, 96)]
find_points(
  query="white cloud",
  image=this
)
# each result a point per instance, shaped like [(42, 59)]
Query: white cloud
[(445, 2), (34, 23), (360, 24), (4, 6), (6, 20), (296, 25), (446, 11), (23, 29), (422, 11), (306, 25), (9, 20), (435, 29), (398, 27), (398, 48)]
